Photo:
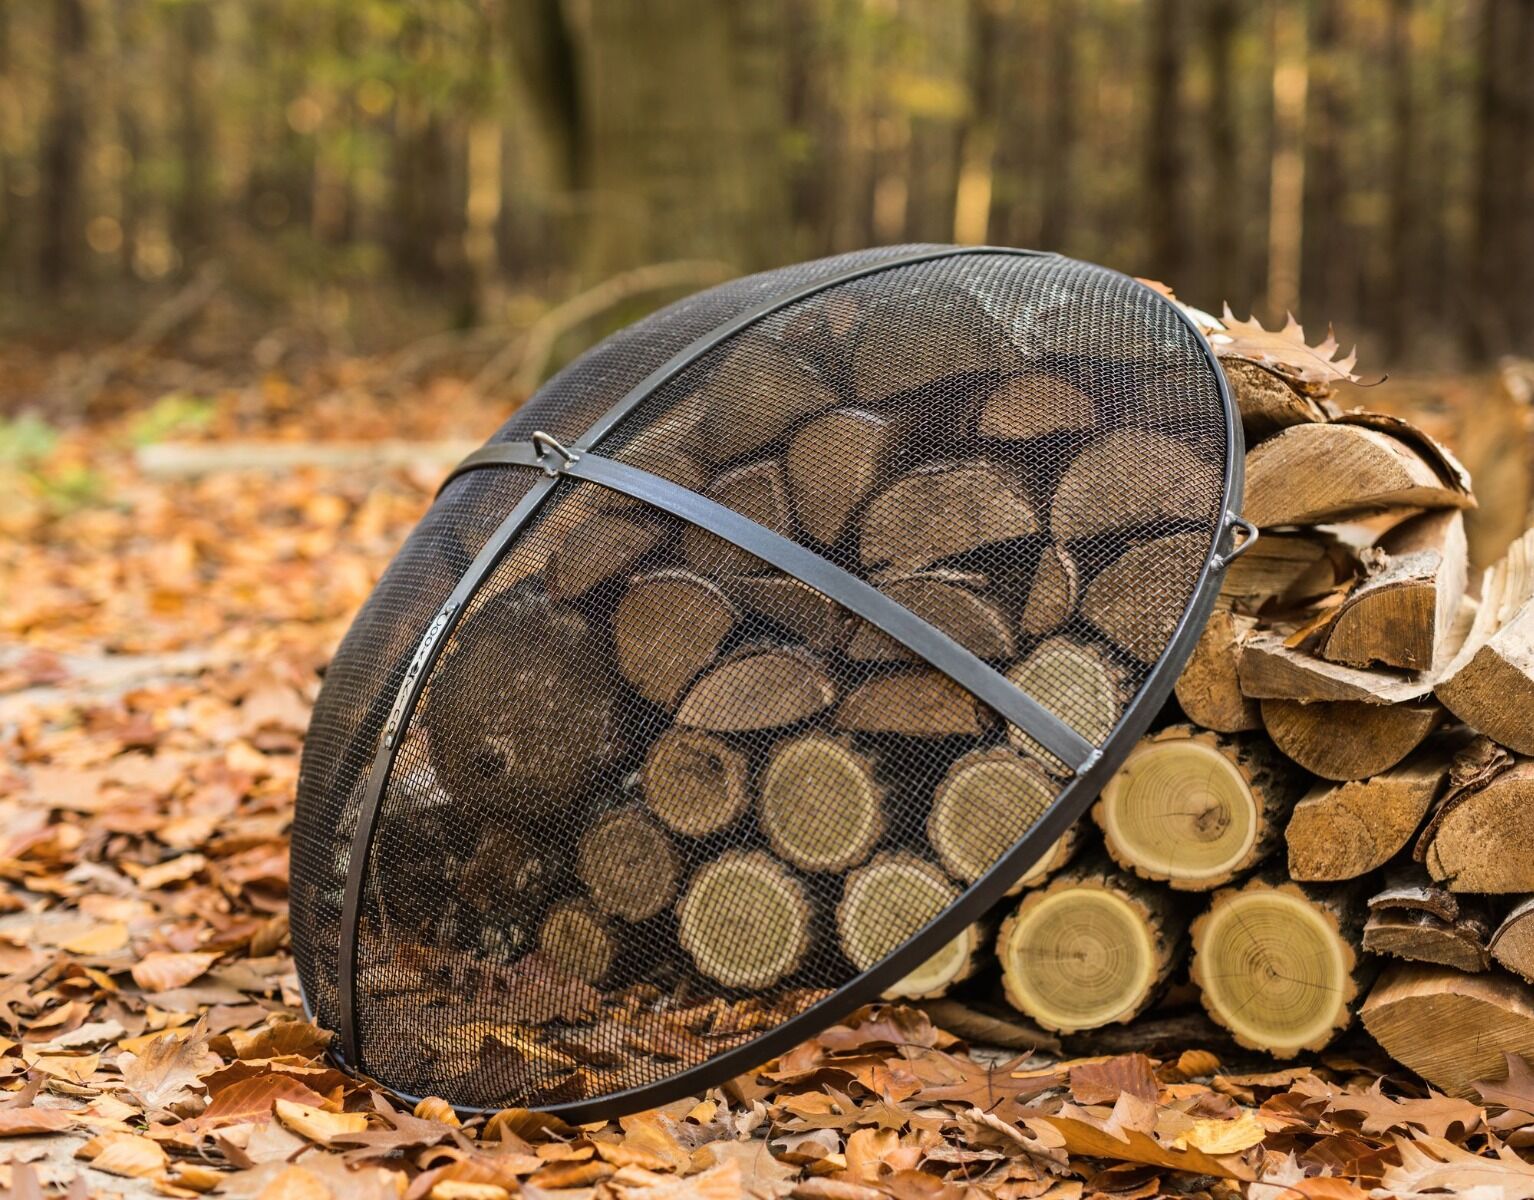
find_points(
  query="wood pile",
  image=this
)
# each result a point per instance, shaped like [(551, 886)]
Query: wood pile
[(1336, 816)]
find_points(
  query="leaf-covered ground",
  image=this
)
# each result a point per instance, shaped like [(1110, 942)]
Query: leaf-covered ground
[(159, 647)]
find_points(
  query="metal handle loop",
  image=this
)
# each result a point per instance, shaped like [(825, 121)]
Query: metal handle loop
[(546, 442), (1233, 522)]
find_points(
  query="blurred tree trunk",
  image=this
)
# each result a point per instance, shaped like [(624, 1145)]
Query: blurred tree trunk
[(1222, 226), (1401, 270), (1329, 273), (937, 113), (1495, 200), (62, 149), (130, 128), (192, 222), (1164, 179), (682, 107), (1286, 179), (1059, 199), (1521, 183), (8, 215)]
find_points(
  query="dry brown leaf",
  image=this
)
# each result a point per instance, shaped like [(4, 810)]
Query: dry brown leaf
[(1222, 1137), (316, 1124), (1284, 351), (166, 1070), (20, 1122), (165, 970), (127, 1154), (1436, 1165)]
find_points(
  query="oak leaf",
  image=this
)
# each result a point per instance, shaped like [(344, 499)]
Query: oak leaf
[(167, 1070), (1430, 1165), (1284, 351)]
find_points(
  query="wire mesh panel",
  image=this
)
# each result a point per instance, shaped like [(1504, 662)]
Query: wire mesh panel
[(659, 789)]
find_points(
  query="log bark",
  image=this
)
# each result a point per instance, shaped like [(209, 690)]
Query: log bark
[(820, 806), (1074, 681), (916, 703), (1280, 965), (667, 628), (984, 804), (1344, 740), (601, 547), (694, 782), (758, 688), (886, 902), (756, 492), (784, 389), (576, 939), (810, 616), (1419, 936), (1209, 688), (1052, 593), (1115, 601), (1451, 1028), (945, 600), (1090, 948), (1404, 614), (833, 463), (745, 920), (1271, 670), (628, 865), (1310, 474), (1196, 809), (1512, 942), (1036, 405), (1285, 569), (944, 511), (1342, 831), (1129, 478), (1479, 839)]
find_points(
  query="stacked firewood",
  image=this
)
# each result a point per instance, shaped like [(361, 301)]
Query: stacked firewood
[(1336, 816)]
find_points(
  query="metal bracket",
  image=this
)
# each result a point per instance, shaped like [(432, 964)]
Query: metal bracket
[(546, 443), (418, 661), (1232, 522)]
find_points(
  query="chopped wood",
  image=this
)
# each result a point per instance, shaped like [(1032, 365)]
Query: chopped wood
[(942, 511), (694, 782), (1266, 400), (758, 493), (1451, 1028), (1074, 681), (576, 939), (833, 463), (1285, 568), (602, 546), (1052, 592), (745, 920), (1195, 809), (1269, 669), (1090, 948), (1479, 839), (954, 962), (945, 601), (1132, 477), (1450, 471), (1343, 739), (1055, 858), (1309, 474), (1209, 688), (984, 804), (987, 1024), (628, 865), (1403, 614), (917, 703), (1036, 405), (1418, 936), (758, 688), (893, 355), (886, 902), (659, 451), (756, 393), (1277, 964), (1489, 684), (812, 617), (667, 628), (821, 807), (1512, 942), (1115, 601)]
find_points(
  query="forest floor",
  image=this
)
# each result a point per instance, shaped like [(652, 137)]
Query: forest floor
[(164, 615)]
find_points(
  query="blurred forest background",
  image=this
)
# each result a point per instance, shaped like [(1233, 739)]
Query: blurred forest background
[(390, 164)]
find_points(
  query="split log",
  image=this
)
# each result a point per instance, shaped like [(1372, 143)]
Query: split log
[(1490, 682), (1271, 670), (694, 782), (661, 450), (758, 688), (1414, 919), (1266, 401), (953, 964), (1116, 600), (514, 656), (1286, 569), (1403, 615), (984, 804), (1052, 593), (1344, 740), (1074, 681), (833, 463), (1209, 688), (893, 355), (745, 920), (943, 511), (1479, 839), (820, 806), (1279, 965), (1512, 942), (1346, 830), (782, 389), (825, 322), (886, 902), (946, 601), (1196, 809), (1036, 405), (919, 703), (812, 617), (1129, 478), (1310, 474), (1090, 948), (599, 548), (667, 628), (756, 492), (628, 865), (576, 939), (1451, 1028)]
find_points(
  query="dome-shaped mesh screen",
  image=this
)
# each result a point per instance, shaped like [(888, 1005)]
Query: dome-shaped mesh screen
[(649, 802)]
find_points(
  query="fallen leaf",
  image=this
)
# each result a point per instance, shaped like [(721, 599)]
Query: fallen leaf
[(164, 970), (127, 1154), (1222, 1137), (1284, 350), (316, 1124)]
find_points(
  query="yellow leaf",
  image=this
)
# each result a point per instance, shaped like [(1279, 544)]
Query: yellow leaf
[(163, 970), (77, 1068), (296, 1183), (316, 1124), (1222, 1137), (127, 1154), (462, 1189), (103, 939)]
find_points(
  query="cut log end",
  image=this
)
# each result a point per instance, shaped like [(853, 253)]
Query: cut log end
[(667, 628), (1075, 682), (887, 901), (821, 808), (954, 963), (987, 801), (758, 689), (694, 782), (745, 920), (577, 940), (628, 865)]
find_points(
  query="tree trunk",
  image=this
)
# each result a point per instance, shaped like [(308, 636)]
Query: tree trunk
[(62, 149)]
